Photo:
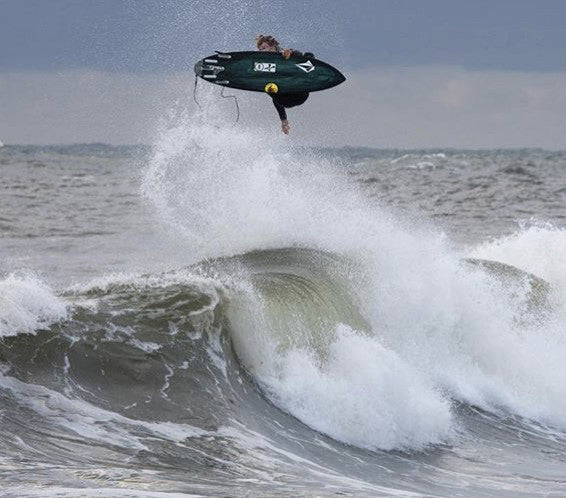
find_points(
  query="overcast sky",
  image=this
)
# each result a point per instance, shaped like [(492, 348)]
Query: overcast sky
[(421, 73)]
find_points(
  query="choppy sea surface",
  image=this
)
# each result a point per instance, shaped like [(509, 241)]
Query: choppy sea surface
[(210, 316)]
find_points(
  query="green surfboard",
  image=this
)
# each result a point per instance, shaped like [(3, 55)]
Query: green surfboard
[(268, 72)]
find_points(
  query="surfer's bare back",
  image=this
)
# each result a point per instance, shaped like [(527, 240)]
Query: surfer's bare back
[(266, 43)]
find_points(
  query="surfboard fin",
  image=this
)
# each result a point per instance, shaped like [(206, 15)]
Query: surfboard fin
[(223, 55)]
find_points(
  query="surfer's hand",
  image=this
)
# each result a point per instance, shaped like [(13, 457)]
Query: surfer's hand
[(287, 53), (285, 127)]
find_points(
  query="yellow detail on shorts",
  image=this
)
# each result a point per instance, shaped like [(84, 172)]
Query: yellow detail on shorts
[(271, 88)]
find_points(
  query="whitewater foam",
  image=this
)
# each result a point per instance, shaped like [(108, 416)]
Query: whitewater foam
[(534, 248), (363, 395), (27, 304)]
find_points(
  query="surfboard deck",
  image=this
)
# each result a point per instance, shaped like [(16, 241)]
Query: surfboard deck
[(253, 71)]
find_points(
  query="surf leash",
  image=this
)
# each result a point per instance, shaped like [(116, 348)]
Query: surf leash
[(235, 100), (222, 95)]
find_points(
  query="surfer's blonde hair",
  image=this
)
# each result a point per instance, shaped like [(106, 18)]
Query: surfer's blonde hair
[(272, 42)]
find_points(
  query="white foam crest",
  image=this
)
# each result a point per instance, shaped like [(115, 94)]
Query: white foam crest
[(363, 395), (463, 331), (27, 304), (536, 248)]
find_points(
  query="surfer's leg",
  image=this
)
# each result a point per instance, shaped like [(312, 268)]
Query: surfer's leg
[(302, 98), (291, 100), (296, 99)]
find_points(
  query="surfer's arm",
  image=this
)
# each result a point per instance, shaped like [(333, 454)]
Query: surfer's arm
[(285, 127), (280, 110), (288, 53)]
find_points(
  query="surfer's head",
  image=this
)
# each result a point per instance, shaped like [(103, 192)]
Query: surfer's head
[(266, 43)]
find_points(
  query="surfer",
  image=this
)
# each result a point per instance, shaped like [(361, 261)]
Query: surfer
[(266, 43)]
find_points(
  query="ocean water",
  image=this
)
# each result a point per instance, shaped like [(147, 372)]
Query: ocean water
[(209, 316)]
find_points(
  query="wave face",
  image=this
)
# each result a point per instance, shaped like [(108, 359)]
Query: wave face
[(269, 320)]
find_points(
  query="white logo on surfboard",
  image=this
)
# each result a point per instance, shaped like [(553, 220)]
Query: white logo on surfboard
[(307, 67), (266, 67)]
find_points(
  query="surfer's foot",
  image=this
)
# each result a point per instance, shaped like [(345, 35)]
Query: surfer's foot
[(286, 127)]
